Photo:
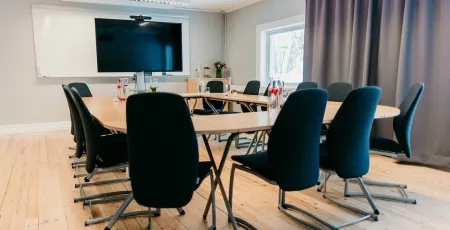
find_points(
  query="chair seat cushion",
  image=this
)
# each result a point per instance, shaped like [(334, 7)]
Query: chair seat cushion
[(384, 144), (204, 112), (258, 162), (325, 162), (113, 150), (228, 112), (203, 169)]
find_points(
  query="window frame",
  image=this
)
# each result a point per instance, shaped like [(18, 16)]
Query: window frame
[(262, 46), (269, 34)]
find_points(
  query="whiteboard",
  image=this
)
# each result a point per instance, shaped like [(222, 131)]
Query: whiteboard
[(65, 41)]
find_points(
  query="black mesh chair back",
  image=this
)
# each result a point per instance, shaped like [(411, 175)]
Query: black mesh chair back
[(403, 122), (91, 132), (82, 88), (214, 87), (349, 133), (338, 91), (76, 121), (307, 85), (252, 88), (163, 174), (294, 141)]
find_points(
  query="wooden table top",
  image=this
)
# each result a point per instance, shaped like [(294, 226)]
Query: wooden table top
[(259, 100), (112, 116)]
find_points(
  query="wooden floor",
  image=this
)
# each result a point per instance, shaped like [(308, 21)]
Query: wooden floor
[(37, 191)]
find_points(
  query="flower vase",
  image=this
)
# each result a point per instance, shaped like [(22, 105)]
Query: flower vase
[(218, 73)]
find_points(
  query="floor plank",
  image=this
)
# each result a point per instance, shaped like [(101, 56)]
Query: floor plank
[(37, 191)]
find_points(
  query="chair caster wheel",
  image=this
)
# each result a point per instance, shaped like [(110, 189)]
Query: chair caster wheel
[(75, 201), (415, 202), (86, 180), (318, 183), (319, 190), (324, 196), (204, 217), (182, 213), (106, 228), (377, 212), (346, 195), (376, 219), (85, 224)]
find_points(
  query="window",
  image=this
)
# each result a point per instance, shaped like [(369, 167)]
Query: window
[(285, 54), (279, 53)]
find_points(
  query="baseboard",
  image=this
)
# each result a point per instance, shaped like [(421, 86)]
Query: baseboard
[(34, 128)]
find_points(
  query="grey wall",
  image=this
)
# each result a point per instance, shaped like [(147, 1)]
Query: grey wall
[(25, 99), (241, 34)]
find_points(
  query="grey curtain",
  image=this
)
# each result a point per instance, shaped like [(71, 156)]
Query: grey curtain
[(392, 44)]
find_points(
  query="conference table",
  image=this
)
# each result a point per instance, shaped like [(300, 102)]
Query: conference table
[(112, 115)]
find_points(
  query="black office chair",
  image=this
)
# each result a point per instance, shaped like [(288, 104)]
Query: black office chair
[(78, 132), (84, 91), (105, 153), (163, 175), (307, 85), (338, 91), (391, 148), (292, 158), (346, 150), (214, 87), (82, 88), (76, 123), (252, 88)]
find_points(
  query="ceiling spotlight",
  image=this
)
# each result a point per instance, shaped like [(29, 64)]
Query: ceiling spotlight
[(172, 3)]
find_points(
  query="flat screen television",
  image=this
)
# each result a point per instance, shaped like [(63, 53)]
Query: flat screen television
[(132, 46)]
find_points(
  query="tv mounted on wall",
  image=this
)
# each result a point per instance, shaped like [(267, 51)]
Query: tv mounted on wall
[(138, 46)]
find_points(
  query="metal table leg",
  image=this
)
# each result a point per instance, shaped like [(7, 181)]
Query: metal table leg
[(218, 181), (212, 107)]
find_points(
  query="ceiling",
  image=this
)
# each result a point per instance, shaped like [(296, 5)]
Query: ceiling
[(202, 5)]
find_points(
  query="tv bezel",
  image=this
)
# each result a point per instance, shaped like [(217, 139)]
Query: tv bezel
[(145, 71)]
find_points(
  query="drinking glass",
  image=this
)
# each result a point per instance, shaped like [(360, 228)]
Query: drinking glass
[(207, 90), (125, 86), (234, 93), (154, 85), (115, 97)]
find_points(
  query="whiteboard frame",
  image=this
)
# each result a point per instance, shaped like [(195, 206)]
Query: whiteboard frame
[(183, 19)]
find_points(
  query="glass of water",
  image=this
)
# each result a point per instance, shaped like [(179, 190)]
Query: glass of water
[(234, 93)]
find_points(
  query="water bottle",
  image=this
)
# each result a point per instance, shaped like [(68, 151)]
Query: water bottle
[(281, 91), (274, 92)]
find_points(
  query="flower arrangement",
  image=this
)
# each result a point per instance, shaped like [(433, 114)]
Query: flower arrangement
[(219, 66)]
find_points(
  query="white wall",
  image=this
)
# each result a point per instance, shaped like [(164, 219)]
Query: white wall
[(25, 99), (241, 34)]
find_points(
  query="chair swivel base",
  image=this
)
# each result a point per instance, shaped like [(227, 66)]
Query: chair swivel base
[(404, 198), (285, 208), (120, 214), (96, 198), (102, 182), (367, 195)]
